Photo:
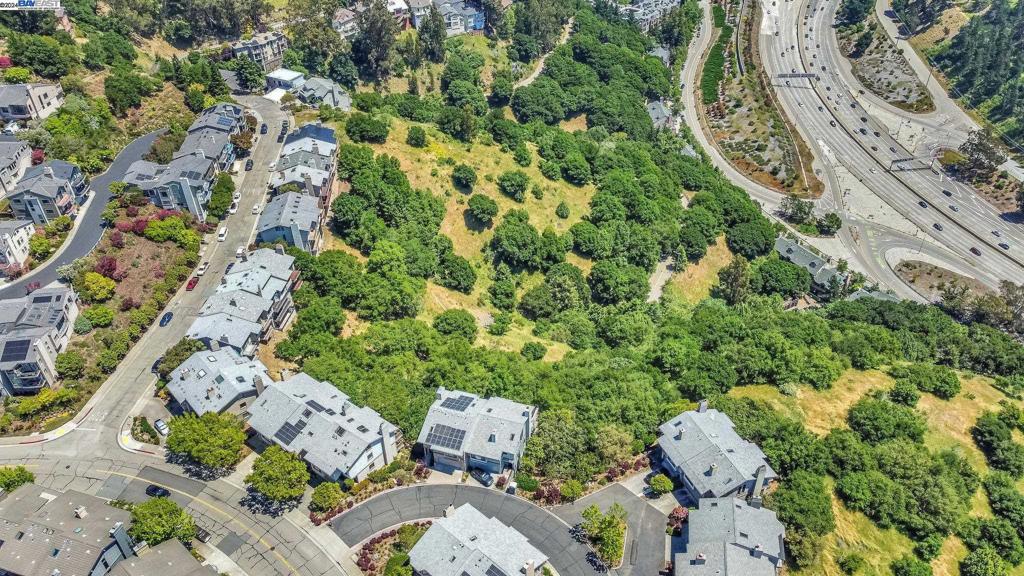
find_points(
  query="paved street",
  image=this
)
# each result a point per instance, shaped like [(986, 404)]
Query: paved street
[(84, 454), (88, 224), (544, 530), (645, 536)]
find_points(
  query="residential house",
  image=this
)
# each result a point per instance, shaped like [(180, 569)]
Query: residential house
[(285, 79), (466, 543), (168, 558), (47, 532), (264, 48), (14, 236), (400, 10), (253, 299), (33, 330), (15, 159), (310, 171), (463, 431), (825, 279), (185, 182), (292, 218), (418, 10), (345, 23), (217, 381), (47, 192), (647, 13), (702, 449), (34, 101), (728, 537), (312, 137), (319, 423), (317, 91), (461, 16)]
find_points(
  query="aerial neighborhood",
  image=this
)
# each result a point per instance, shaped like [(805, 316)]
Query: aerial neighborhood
[(511, 288)]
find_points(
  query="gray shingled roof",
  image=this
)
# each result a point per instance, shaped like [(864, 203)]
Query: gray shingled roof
[(481, 419), (709, 452), (304, 415), (225, 329), (17, 94), (467, 543), (325, 91), (169, 558), (728, 537), (24, 320), (41, 183), (874, 295), (818, 267), (264, 272), (211, 381), (12, 226), (291, 208)]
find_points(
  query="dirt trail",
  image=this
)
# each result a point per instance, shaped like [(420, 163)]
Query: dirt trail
[(566, 30)]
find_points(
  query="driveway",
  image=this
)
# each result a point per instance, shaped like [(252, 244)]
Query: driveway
[(88, 226), (645, 536), (544, 530)]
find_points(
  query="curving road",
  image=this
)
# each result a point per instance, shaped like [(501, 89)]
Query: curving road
[(546, 531), (88, 225)]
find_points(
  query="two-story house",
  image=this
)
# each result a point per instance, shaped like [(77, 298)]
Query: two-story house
[(15, 159), (463, 431), (46, 193), (461, 16), (345, 23), (33, 330), (264, 48), (217, 381), (292, 218), (319, 423), (14, 237), (728, 537), (29, 101)]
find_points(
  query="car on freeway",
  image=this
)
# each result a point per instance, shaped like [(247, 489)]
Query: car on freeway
[(832, 123), (922, 204), (997, 233), (937, 226), (166, 319), (947, 193), (161, 426), (192, 284), (877, 134), (157, 491), (263, 128), (820, 109), (864, 131), (248, 165), (875, 148), (954, 208), (155, 369), (853, 105), (975, 251), (482, 477), (1004, 245), (892, 148), (203, 268), (863, 119)]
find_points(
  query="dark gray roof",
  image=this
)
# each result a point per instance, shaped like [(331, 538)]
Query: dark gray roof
[(322, 90), (169, 558), (709, 452), (461, 422), (211, 381), (41, 182), (292, 208), (60, 168), (873, 294), (25, 320), (803, 257), (17, 94), (11, 147), (728, 537)]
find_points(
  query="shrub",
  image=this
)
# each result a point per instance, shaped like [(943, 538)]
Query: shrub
[(456, 322), (661, 484), (70, 364), (417, 137), (464, 176), (362, 127), (514, 184), (326, 497), (11, 477), (82, 325), (571, 490), (482, 208), (99, 316), (852, 564), (562, 210), (526, 482), (533, 351)]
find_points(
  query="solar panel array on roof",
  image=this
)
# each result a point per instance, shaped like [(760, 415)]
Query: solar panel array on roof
[(446, 437), (288, 431), (494, 571), (314, 405), (41, 299), (16, 350), (225, 121), (460, 404)]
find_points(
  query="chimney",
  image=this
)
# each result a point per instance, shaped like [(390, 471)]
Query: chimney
[(279, 248), (449, 511), (759, 480), (48, 170), (701, 559), (702, 406), (711, 471), (258, 382), (530, 569), (81, 512), (245, 255), (285, 374), (758, 551), (209, 393), (214, 345)]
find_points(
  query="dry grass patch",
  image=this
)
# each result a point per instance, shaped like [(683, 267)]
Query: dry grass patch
[(275, 365), (944, 29), (577, 123), (927, 279), (694, 283)]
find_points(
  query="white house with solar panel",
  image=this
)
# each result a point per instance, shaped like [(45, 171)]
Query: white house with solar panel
[(322, 426), (463, 431), (33, 330)]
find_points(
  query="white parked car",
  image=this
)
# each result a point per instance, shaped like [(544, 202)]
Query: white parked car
[(237, 196), (202, 268), (255, 210), (240, 251), (233, 208), (222, 234), (161, 427)]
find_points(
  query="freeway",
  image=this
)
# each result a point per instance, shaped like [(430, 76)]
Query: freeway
[(85, 454), (795, 38)]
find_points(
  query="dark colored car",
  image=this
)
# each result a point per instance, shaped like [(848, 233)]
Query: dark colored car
[(192, 283), (947, 193), (975, 251), (166, 319), (157, 491), (280, 137), (263, 128), (156, 365), (922, 204), (248, 165), (1004, 245), (203, 535), (482, 477), (937, 226)]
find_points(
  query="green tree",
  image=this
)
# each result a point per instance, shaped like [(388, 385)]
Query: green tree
[(177, 354), (39, 247), (483, 208), (326, 497), (362, 127), (533, 351), (41, 54), (464, 177), (250, 74), (96, 287), (777, 276), (160, 519), (878, 420), (796, 210), (907, 565), (372, 47), (278, 475), (11, 477), (432, 33), (984, 561), (456, 322), (607, 531), (514, 184), (562, 210), (661, 484), (416, 137), (734, 281), (751, 239), (981, 154), (211, 440), (613, 281), (70, 365)]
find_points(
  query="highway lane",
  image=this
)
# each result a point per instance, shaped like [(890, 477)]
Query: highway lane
[(818, 104)]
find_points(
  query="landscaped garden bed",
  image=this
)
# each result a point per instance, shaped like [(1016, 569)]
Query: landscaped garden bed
[(331, 499), (387, 554)]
